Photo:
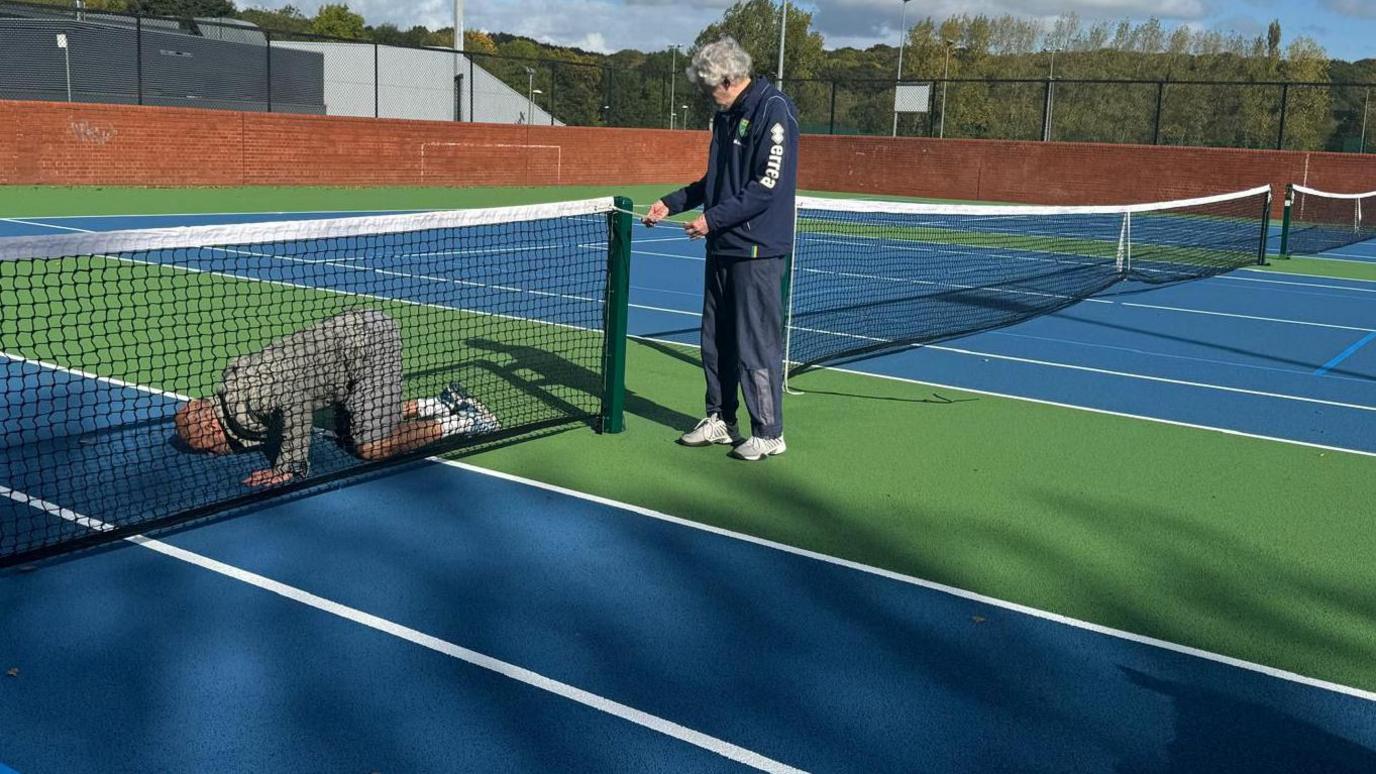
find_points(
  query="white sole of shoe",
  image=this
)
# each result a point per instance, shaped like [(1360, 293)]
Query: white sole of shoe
[(758, 457)]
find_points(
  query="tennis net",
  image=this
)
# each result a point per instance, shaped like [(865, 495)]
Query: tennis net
[(1318, 221), (517, 312), (872, 276)]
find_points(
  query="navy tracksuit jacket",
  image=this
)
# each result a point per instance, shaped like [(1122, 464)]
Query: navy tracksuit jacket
[(747, 197)]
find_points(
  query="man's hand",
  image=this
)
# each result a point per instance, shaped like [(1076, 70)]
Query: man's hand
[(269, 477), (658, 211), (698, 228)]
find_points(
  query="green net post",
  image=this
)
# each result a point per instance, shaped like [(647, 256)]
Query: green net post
[(1285, 221), (615, 313), (1265, 229)]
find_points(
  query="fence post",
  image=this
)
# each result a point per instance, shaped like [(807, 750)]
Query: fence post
[(377, 83), (1284, 103), (138, 55), (832, 127), (472, 102), (1160, 98), (458, 97), (267, 46)]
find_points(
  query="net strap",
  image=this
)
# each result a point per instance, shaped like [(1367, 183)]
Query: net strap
[(1299, 189), (142, 240), (878, 206)]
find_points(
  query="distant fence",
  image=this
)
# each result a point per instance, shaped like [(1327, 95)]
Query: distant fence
[(1254, 114), (229, 64)]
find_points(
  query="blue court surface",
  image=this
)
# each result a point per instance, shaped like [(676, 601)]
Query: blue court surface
[(445, 618)]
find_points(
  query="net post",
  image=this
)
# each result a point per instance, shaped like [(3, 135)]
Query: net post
[(1285, 220), (615, 312), (1265, 228)]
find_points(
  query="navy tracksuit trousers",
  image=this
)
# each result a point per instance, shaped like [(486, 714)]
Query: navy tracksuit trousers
[(743, 340)]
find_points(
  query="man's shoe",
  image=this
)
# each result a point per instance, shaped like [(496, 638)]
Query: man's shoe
[(758, 448), (711, 430)]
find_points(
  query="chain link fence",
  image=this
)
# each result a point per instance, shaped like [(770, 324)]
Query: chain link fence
[(55, 53)]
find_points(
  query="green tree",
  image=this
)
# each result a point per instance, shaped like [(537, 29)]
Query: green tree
[(182, 8), (338, 21), (286, 19)]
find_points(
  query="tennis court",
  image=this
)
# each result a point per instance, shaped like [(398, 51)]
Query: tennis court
[(1127, 534)]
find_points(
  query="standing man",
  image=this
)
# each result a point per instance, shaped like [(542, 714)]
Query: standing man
[(747, 196)]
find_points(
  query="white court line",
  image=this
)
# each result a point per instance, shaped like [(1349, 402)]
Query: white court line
[(1320, 285), (668, 255), (910, 580), (1057, 404), (44, 225), (1088, 369), (218, 214), (415, 637), (1302, 274), (1148, 377), (1184, 310), (1091, 300)]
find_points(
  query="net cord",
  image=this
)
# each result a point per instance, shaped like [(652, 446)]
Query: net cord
[(1329, 195), (1013, 210), (241, 234)]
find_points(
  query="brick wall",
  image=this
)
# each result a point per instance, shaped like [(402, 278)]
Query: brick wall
[(47, 143), (51, 143)]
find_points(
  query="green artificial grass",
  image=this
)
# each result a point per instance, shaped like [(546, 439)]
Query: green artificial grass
[(1256, 549)]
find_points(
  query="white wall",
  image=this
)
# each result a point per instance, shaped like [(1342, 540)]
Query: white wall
[(414, 83)]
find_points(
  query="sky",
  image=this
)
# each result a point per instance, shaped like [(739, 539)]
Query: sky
[(1345, 28)]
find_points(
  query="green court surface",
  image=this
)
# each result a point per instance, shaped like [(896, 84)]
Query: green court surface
[(1250, 548)]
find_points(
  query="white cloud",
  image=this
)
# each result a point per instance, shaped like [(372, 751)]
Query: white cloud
[(1362, 8)]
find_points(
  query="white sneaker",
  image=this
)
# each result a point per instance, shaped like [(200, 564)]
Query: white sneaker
[(758, 448), (709, 431)]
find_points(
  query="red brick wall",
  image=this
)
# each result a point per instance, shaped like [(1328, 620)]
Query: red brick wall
[(61, 144), (53, 143)]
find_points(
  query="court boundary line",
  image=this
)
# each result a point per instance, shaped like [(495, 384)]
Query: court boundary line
[(1057, 404), (1105, 301), (911, 580), (1074, 367), (405, 633)]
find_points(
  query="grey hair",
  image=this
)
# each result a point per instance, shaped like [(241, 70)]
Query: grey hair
[(717, 62)]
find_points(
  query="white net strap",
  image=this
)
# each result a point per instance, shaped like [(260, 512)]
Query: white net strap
[(112, 242), (1299, 189), (824, 204)]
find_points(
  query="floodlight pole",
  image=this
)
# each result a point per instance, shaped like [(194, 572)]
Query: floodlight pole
[(67, 61), (945, 81), (783, 29), (685, 116), (1366, 112), (530, 96), (673, 81), (902, 39)]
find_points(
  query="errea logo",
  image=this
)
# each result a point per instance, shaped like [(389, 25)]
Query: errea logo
[(776, 157)]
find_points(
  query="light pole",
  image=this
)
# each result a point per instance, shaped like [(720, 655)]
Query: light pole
[(685, 116), (1366, 111), (673, 80), (67, 61), (783, 28), (902, 39), (1050, 96), (945, 81)]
